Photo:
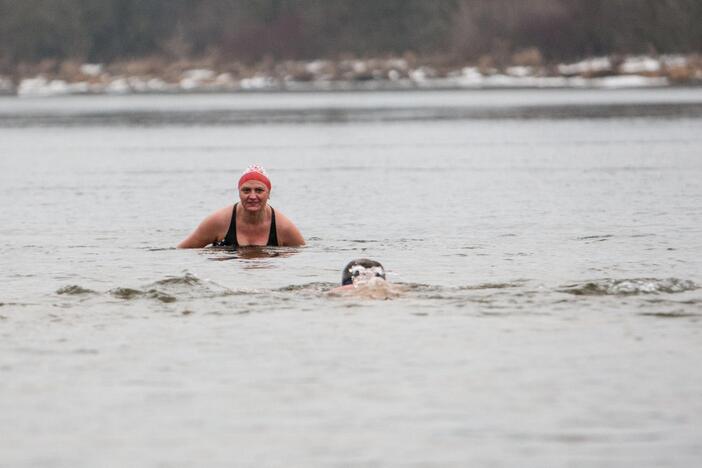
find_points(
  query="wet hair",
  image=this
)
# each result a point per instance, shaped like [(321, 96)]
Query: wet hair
[(355, 267)]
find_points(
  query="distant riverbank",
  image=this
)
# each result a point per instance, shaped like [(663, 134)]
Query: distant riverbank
[(156, 76)]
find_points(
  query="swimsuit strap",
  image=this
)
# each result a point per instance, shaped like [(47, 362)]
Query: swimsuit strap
[(273, 233), (230, 238)]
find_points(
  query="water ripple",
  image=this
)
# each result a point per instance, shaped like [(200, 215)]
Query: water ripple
[(74, 290), (166, 290), (633, 286), (129, 294)]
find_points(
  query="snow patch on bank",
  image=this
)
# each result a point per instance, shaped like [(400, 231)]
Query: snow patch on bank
[(372, 74)]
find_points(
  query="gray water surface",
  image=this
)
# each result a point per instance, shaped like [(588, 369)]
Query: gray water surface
[(547, 245)]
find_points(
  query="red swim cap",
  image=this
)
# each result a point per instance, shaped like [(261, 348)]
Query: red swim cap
[(255, 173)]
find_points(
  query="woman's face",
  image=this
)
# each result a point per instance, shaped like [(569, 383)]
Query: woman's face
[(253, 195)]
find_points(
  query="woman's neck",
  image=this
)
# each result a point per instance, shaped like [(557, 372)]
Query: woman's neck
[(253, 217)]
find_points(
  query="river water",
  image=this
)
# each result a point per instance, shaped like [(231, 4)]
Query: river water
[(546, 245)]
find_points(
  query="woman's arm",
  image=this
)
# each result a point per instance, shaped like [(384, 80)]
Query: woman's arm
[(209, 231), (288, 234)]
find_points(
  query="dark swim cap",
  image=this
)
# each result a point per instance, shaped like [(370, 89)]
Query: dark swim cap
[(355, 267)]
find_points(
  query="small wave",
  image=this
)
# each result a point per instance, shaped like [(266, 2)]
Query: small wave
[(600, 238), (16, 304), (626, 287), (187, 279), (312, 287), (160, 296), (489, 286), (173, 288), (189, 286), (421, 287), (672, 314), (74, 290), (128, 294), (125, 293), (674, 303), (459, 293)]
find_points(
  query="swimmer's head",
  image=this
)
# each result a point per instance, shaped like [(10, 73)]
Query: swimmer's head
[(361, 270), (255, 172)]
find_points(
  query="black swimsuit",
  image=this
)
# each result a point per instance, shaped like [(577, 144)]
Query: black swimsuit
[(230, 239)]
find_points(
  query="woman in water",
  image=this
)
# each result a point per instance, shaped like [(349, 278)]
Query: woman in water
[(251, 222)]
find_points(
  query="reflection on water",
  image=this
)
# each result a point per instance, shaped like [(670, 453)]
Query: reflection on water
[(250, 253), (145, 119), (275, 108)]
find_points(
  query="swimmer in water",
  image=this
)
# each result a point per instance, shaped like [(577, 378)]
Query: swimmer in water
[(361, 271), (364, 277), (251, 222)]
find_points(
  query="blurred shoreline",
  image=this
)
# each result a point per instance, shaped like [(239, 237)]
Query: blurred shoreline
[(155, 76)]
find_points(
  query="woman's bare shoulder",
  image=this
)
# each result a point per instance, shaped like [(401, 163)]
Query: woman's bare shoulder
[(219, 219)]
